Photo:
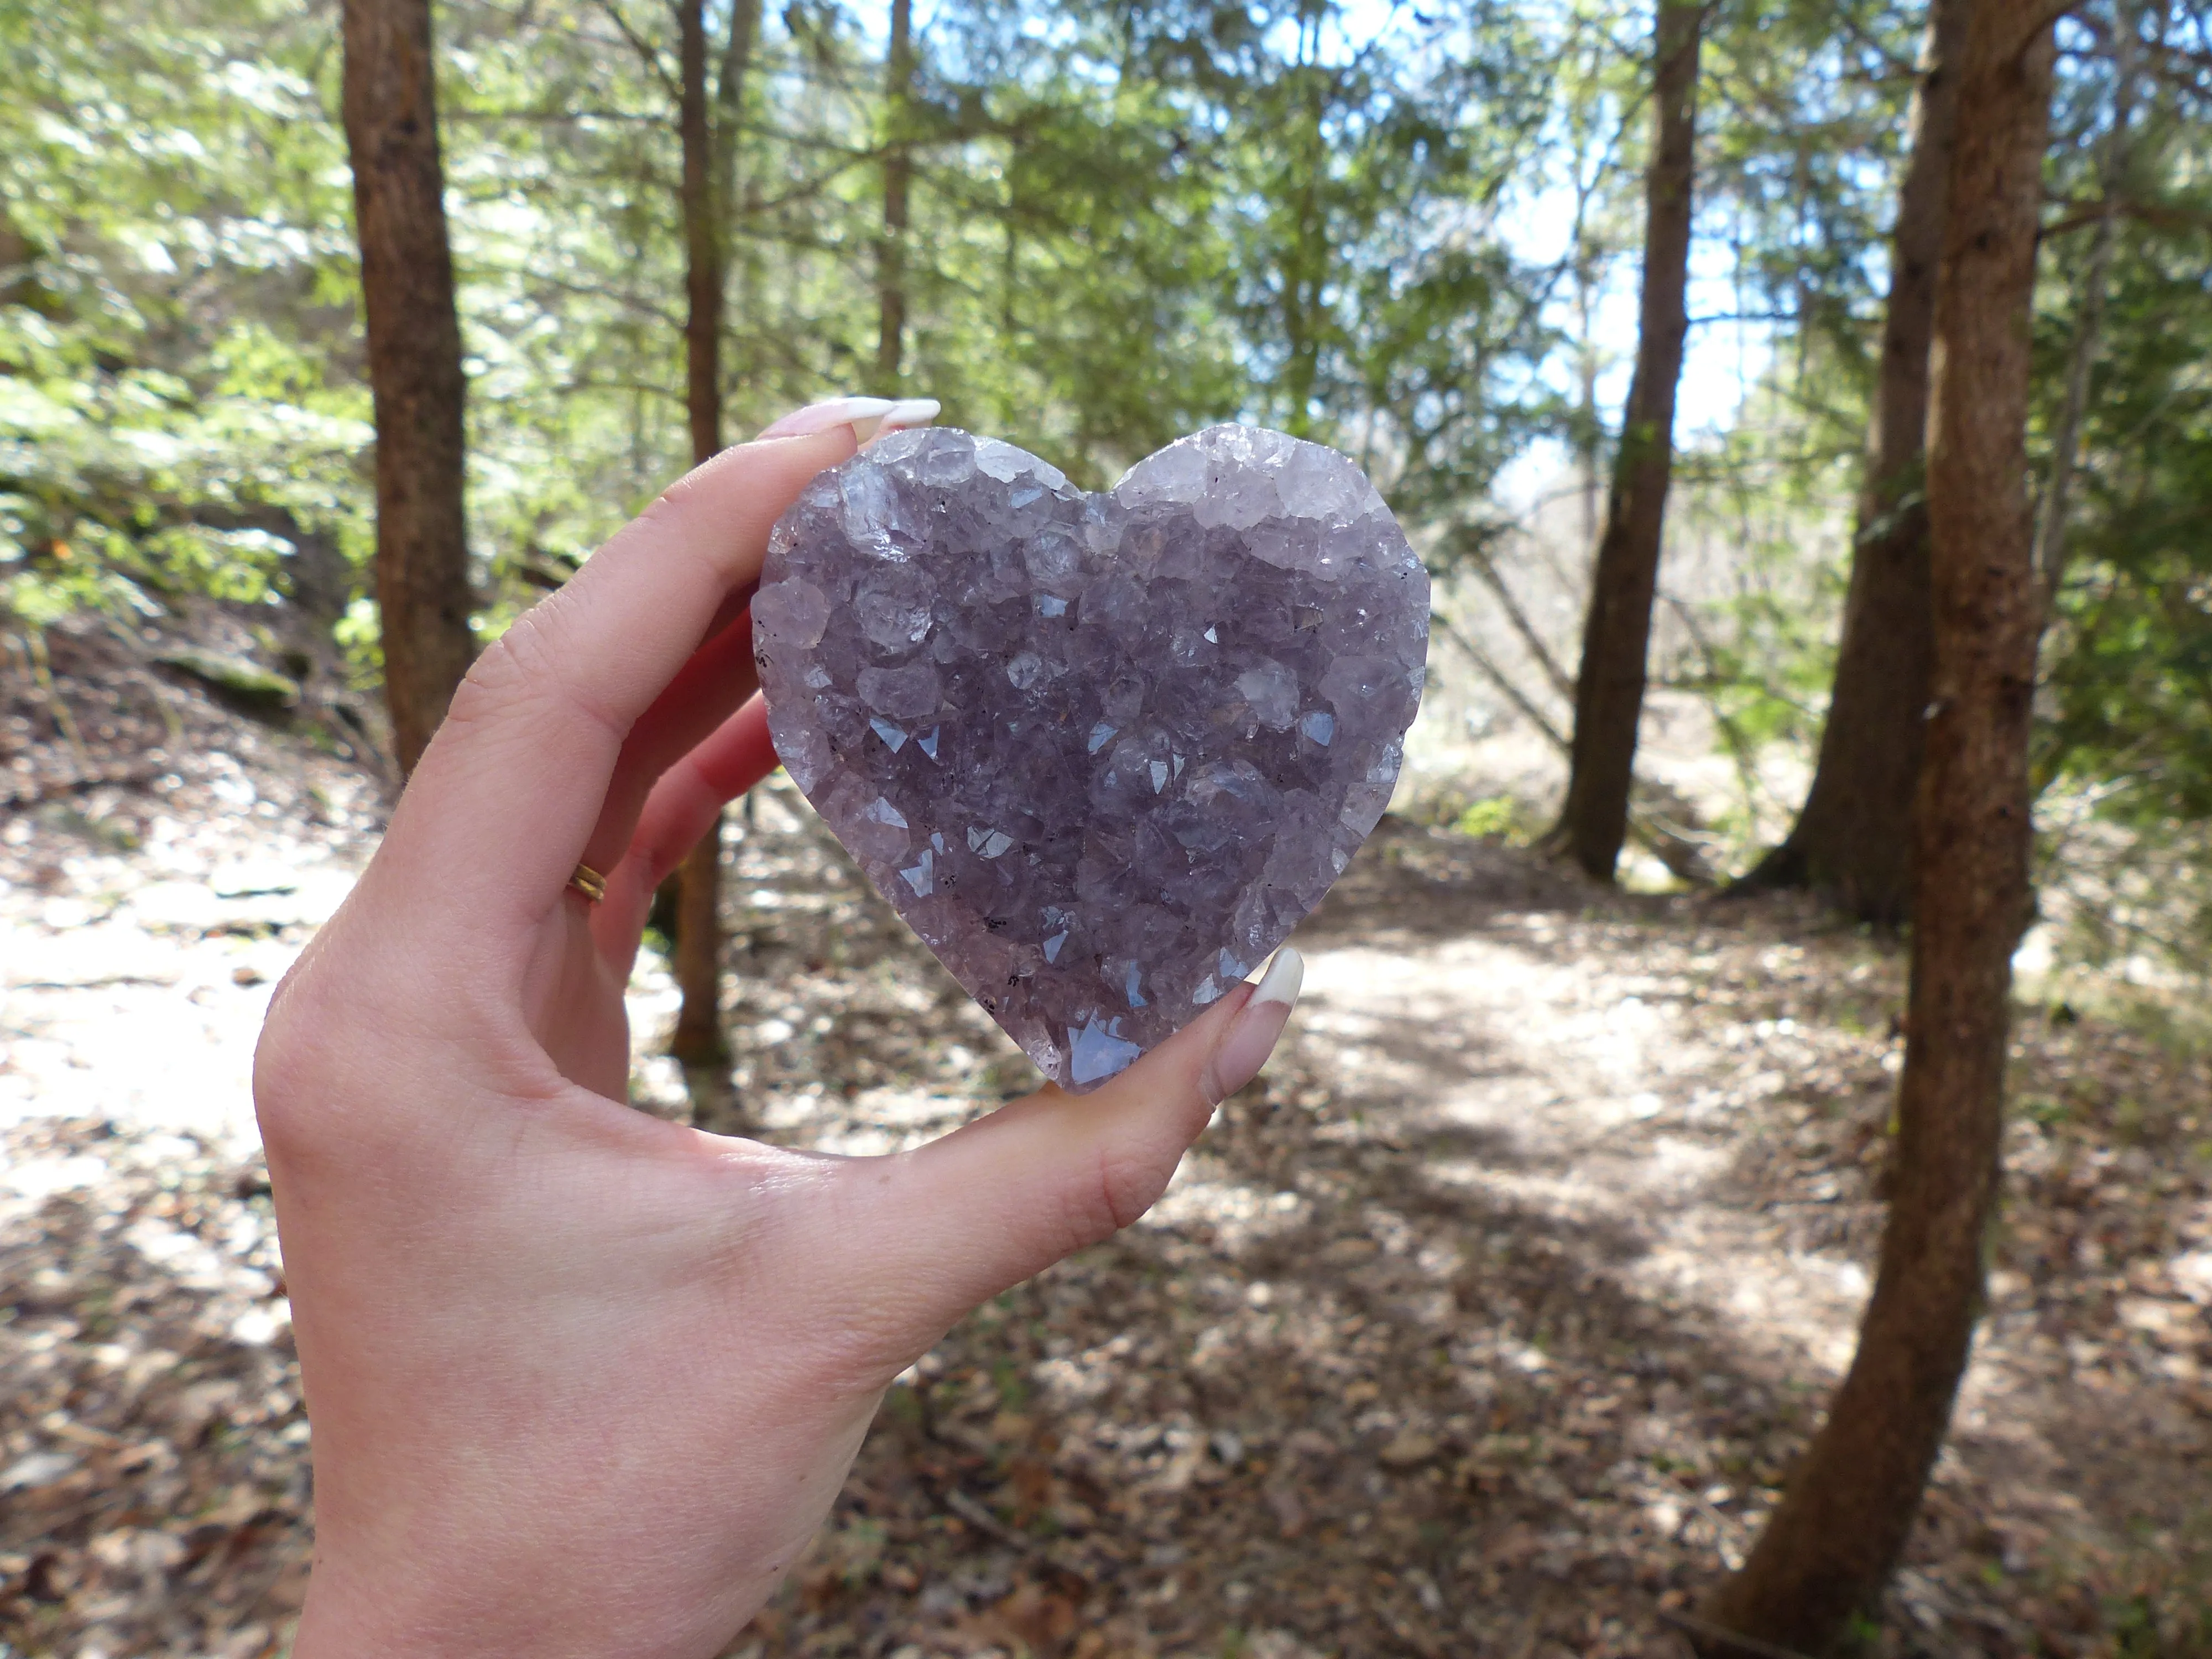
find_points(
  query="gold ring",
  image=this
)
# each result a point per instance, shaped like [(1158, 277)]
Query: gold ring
[(589, 882)]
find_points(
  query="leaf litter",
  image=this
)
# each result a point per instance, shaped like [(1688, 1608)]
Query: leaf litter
[(1487, 1322)]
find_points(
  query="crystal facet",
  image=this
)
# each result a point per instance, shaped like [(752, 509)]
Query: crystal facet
[(1102, 752)]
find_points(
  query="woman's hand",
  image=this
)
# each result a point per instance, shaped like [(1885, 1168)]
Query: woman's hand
[(583, 1382)]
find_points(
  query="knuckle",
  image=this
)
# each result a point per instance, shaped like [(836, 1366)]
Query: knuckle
[(329, 1027), (873, 1340), (508, 672), (1125, 1184), (530, 664), (293, 1070)]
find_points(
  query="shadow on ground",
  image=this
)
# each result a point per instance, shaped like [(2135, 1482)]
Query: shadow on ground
[(1376, 1379), (1487, 1322)]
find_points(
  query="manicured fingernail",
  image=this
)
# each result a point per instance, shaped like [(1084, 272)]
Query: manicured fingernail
[(1257, 1028), (907, 413), (830, 411)]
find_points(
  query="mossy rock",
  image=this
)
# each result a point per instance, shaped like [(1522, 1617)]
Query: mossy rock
[(239, 678)]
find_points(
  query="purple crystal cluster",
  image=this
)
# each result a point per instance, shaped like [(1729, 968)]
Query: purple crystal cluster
[(1102, 752)]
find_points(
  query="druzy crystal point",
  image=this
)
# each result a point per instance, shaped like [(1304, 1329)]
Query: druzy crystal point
[(1102, 752)]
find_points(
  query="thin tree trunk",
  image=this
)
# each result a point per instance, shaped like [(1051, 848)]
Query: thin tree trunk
[(1589, 441), (1833, 1541), (1588, 429), (730, 209), (1531, 640), (1852, 842), (1616, 635), (415, 377), (2065, 447), (729, 116), (1304, 270), (898, 176), (703, 239), (698, 1041)]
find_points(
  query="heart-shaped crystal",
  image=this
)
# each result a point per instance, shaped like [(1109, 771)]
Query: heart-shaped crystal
[(1102, 752)]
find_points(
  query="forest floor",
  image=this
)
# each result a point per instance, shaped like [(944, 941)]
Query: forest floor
[(1486, 1322)]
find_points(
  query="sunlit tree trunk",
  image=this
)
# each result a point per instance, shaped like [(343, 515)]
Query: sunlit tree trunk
[(1837, 1534), (1616, 635), (1303, 273), (415, 377), (1853, 842), (898, 178)]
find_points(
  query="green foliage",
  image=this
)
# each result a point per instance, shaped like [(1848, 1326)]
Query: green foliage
[(1128, 218), (1361, 177), (2125, 756), (1804, 112), (1127, 221), (174, 278), (2136, 609), (1504, 818)]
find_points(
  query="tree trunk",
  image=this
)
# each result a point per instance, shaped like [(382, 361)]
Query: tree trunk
[(728, 141), (698, 1041), (1589, 430), (898, 176), (1609, 690), (1831, 1545), (1852, 842), (2066, 442), (414, 363), (703, 239)]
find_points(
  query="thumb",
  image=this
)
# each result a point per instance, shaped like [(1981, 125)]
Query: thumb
[(958, 1221)]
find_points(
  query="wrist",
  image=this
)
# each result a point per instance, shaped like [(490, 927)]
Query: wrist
[(422, 1613)]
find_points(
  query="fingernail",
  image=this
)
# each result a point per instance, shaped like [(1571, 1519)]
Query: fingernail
[(830, 411), (1257, 1028), (907, 413)]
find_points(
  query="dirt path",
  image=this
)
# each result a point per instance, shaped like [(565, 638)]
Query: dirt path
[(1491, 1319), (1488, 1321)]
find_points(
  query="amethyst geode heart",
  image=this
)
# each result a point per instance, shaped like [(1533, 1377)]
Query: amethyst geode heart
[(1102, 752)]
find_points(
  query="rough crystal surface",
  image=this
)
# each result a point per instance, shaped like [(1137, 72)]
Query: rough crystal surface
[(1102, 752)]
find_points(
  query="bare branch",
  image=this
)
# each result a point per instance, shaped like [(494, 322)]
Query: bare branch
[(647, 54), (1486, 568), (1496, 676), (2163, 216)]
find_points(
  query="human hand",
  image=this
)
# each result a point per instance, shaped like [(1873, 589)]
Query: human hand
[(584, 1381)]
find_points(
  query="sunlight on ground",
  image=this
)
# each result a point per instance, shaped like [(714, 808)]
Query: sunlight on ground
[(1546, 1229)]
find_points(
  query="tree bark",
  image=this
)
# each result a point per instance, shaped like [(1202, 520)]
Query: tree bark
[(1852, 842), (1617, 632), (898, 176), (697, 1040), (415, 375), (703, 237), (1832, 1542)]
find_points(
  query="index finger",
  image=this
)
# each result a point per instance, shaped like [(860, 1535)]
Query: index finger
[(503, 799)]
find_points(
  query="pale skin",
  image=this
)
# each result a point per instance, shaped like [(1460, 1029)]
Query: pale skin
[(582, 1381)]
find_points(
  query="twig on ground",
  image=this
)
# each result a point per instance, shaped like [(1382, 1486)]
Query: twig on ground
[(1696, 1630)]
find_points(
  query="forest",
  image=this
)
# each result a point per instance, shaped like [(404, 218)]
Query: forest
[(1741, 1183)]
